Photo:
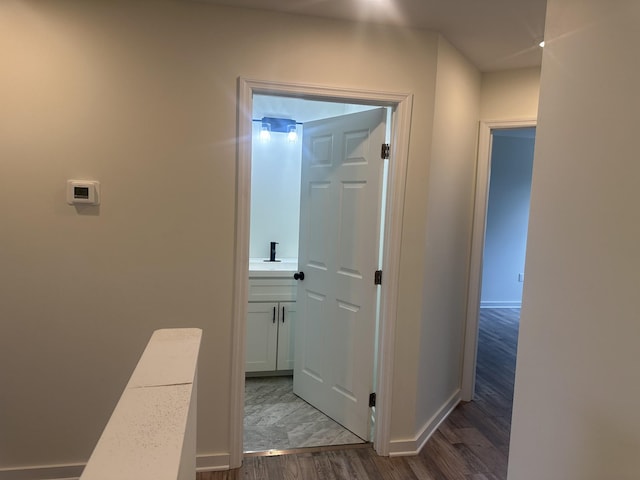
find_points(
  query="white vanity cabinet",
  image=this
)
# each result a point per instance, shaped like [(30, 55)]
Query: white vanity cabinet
[(271, 317), (269, 336)]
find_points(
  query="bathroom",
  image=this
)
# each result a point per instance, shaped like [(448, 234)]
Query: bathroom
[(275, 418)]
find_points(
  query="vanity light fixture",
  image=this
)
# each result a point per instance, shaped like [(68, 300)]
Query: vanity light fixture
[(270, 125)]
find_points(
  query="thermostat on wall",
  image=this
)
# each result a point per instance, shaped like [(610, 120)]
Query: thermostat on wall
[(83, 192)]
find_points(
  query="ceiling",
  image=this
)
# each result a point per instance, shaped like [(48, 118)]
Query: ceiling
[(493, 34)]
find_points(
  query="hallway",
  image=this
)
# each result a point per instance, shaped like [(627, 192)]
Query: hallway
[(472, 444)]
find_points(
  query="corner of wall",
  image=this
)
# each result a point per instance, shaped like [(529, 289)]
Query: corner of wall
[(448, 241), (413, 446)]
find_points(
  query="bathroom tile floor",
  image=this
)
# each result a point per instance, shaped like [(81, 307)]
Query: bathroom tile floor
[(277, 419)]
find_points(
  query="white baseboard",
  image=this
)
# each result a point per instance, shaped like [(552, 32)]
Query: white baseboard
[(413, 446), (204, 463), (501, 304), (212, 463), (57, 472)]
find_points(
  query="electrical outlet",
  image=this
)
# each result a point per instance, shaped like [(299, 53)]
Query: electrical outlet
[(521, 277)]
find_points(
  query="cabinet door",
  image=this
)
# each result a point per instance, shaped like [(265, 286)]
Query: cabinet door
[(285, 335), (262, 337)]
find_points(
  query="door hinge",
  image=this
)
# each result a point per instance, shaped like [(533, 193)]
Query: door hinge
[(377, 278), (372, 400), (386, 149)]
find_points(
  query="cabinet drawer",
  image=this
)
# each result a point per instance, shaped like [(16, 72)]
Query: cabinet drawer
[(272, 289)]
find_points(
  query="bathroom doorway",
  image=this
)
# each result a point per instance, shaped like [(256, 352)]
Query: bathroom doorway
[(400, 104), (275, 417)]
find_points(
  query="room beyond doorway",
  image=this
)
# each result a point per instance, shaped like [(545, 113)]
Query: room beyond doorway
[(507, 217), (522, 128), (276, 220)]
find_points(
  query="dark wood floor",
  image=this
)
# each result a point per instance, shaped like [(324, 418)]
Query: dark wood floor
[(472, 444)]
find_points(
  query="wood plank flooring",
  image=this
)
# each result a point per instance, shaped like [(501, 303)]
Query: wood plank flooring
[(472, 444)]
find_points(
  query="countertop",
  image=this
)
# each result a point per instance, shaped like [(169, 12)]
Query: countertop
[(285, 267)]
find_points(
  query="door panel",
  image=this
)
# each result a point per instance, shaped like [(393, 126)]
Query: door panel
[(351, 259), (339, 246), (346, 323), (319, 194), (321, 150), (314, 338)]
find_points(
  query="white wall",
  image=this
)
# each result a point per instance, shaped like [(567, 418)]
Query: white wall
[(576, 413), (441, 279), (510, 94), (275, 194), (143, 97), (507, 217)]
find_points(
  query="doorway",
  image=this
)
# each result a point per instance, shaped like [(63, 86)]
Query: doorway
[(400, 105), (503, 273), (503, 187), (333, 150), (507, 217)]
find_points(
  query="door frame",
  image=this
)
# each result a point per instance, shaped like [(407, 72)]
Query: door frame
[(401, 104), (483, 175)]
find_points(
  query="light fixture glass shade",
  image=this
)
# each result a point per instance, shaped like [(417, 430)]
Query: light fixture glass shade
[(265, 132), (292, 134)]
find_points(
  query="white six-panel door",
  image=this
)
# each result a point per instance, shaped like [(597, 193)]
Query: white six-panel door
[(339, 243)]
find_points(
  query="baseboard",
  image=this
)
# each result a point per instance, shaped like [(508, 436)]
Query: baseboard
[(413, 446), (501, 304), (57, 472), (212, 463), (204, 463)]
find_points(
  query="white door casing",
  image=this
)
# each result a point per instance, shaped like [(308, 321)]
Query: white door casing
[(483, 173), (340, 204), (401, 104)]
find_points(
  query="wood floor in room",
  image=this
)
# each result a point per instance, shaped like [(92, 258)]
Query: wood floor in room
[(472, 444)]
